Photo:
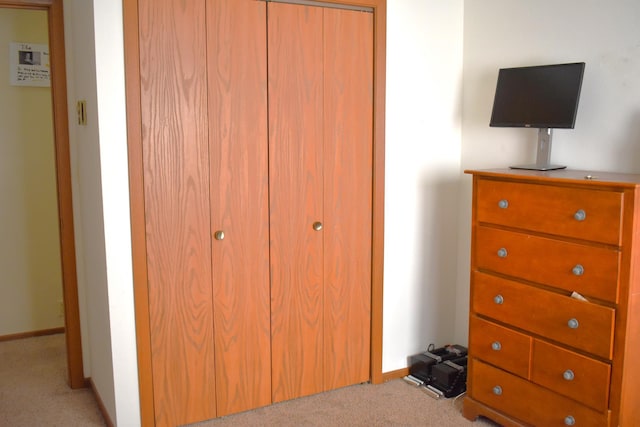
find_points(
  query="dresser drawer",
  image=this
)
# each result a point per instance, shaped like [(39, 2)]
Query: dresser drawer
[(588, 270), (570, 374), (578, 324), (500, 346), (551, 209), (528, 402)]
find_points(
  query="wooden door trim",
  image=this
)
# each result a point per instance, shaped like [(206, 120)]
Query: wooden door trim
[(377, 244), (63, 177), (136, 200), (136, 183)]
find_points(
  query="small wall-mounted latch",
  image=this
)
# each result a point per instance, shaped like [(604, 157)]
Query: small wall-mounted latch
[(81, 107)]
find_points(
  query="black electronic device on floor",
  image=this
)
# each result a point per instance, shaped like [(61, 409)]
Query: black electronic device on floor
[(450, 377), (441, 371)]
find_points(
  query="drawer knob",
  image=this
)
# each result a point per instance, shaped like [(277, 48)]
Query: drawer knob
[(580, 215), (497, 390), (502, 253), (573, 323), (503, 204), (569, 420), (498, 299), (578, 270), (219, 235), (496, 346), (568, 375)]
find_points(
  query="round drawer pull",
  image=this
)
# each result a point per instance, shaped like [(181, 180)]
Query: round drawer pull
[(580, 215), (569, 420), (497, 390), (573, 323), (578, 270), (502, 253), (219, 235), (496, 346), (568, 375), (498, 299), (503, 204)]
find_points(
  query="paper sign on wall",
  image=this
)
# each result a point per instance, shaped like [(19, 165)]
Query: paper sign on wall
[(29, 64)]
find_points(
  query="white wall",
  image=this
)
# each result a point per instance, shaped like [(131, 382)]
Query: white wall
[(423, 121), (115, 196), (31, 275), (95, 73), (505, 33)]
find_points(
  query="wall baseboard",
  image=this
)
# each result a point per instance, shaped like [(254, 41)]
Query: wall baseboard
[(101, 407), (393, 375), (31, 334)]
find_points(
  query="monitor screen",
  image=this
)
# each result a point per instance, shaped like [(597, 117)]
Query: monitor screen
[(543, 96)]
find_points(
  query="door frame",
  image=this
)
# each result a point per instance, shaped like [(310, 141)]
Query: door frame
[(136, 188), (55, 19)]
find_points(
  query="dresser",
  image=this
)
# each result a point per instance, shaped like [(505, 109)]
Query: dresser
[(554, 322)]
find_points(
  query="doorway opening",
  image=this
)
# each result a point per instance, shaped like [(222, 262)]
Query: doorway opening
[(57, 68)]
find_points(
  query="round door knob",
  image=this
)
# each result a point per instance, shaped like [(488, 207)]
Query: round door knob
[(502, 253), (496, 345), (568, 375), (580, 215), (498, 299), (573, 323), (503, 204), (497, 390), (578, 270), (569, 421), (317, 226), (219, 235)]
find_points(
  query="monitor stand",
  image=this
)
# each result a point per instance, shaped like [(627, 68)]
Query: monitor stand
[(543, 156)]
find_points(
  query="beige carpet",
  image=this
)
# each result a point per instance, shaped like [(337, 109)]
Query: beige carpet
[(34, 390), (395, 403)]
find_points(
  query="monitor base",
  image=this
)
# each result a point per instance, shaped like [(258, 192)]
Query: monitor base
[(535, 167)]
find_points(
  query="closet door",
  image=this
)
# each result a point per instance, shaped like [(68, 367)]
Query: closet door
[(295, 174), (237, 64), (320, 112), (173, 78), (348, 166), (203, 75)]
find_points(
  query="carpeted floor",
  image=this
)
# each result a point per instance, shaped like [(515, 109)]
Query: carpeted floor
[(395, 403), (34, 390)]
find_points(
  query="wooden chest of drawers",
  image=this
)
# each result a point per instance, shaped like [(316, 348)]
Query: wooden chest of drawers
[(538, 353)]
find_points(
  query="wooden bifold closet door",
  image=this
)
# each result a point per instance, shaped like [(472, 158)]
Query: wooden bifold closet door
[(320, 141), (257, 123)]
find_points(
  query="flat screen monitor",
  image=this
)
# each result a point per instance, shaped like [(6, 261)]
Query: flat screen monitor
[(542, 96)]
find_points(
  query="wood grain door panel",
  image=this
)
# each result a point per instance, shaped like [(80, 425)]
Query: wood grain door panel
[(176, 196), (295, 174), (348, 124), (237, 73), (260, 149)]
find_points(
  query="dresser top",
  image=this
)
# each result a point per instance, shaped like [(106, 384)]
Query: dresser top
[(595, 178)]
